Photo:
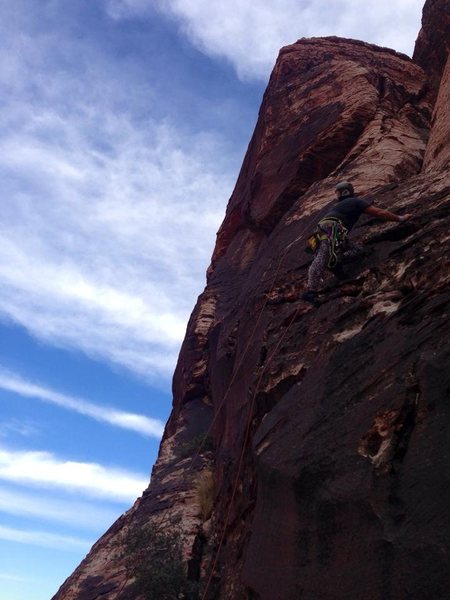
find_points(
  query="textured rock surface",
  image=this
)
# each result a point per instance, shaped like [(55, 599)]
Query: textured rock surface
[(437, 156), (330, 425), (433, 41), (172, 493), (329, 102)]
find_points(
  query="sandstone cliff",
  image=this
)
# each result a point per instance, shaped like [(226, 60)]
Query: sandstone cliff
[(326, 429)]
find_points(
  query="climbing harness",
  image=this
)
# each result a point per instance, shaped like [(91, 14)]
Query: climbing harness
[(335, 232)]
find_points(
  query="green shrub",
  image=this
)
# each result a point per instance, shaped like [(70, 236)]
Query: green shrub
[(154, 558), (200, 443), (206, 489)]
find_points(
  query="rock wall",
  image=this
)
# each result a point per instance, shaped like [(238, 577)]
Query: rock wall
[(330, 102), (437, 156), (433, 41), (326, 428)]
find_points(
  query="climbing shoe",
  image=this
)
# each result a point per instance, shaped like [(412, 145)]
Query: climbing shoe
[(339, 272)]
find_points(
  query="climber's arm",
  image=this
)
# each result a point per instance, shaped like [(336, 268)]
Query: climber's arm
[(386, 215)]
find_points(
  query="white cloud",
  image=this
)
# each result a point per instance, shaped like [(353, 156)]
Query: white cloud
[(249, 34), (61, 510), (134, 422), (44, 539), (108, 212), (107, 218), (108, 257), (44, 470)]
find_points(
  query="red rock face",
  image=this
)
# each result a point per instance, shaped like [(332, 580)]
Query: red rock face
[(329, 425), (329, 103), (433, 41), (437, 155)]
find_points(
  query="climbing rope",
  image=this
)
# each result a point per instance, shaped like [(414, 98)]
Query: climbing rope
[(250, 414), (244, 353), (242, 453)]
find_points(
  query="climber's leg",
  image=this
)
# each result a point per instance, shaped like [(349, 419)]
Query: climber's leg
[(318, 266), (317, 270)]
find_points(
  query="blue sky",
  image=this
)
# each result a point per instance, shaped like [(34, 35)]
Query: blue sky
[(123, 126)]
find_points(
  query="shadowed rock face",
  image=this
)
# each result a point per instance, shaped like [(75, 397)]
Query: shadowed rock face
[(329, 425), (433, 41), (437, 156), (432, 53)]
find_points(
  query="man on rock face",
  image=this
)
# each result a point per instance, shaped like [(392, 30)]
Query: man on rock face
[(330, 242)]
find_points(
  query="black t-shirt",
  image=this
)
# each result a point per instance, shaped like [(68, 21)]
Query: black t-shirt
[(348, 210)]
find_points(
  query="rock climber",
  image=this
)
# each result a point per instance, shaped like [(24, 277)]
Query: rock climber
[(330, 242)]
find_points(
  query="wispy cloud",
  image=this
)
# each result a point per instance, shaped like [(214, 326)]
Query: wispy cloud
[(109, 214), (44, 470), (249, 34), (120, 9), (108, 259), (17, 427), (44, 539), (9, 577), (134, 422), (32, 505), (109, 211)]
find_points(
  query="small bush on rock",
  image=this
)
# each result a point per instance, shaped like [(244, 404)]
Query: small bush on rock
[(205, 492), (154, 558), (200, 443)]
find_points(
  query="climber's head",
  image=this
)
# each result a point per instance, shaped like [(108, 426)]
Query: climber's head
[(344, 189)]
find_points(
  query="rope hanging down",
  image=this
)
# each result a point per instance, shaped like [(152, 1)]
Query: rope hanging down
[(250, 414), (241, 457), (241, 361)]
